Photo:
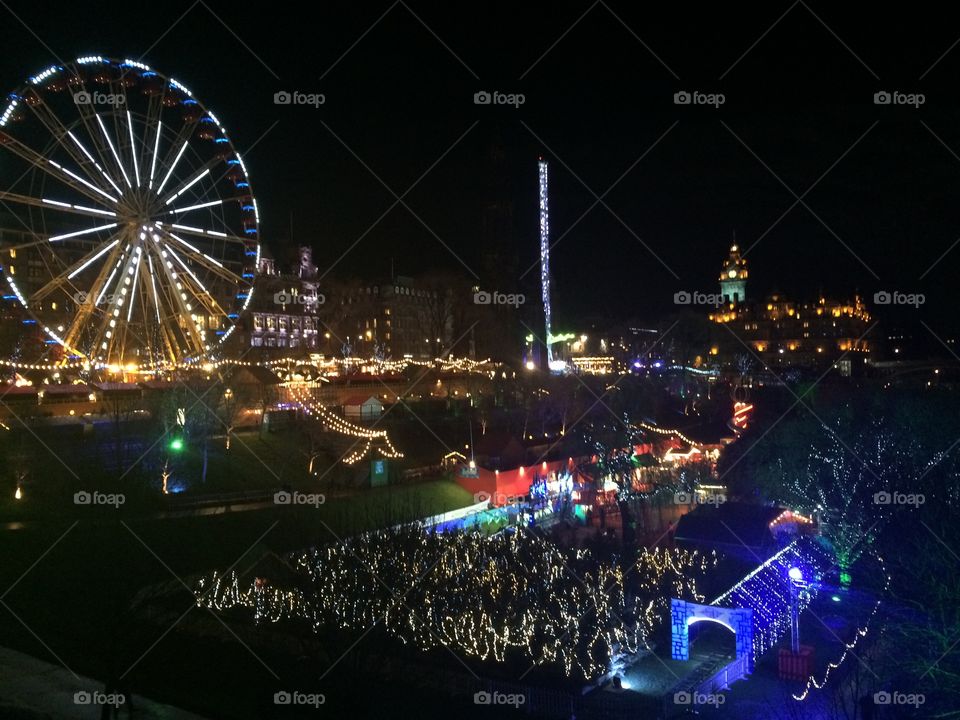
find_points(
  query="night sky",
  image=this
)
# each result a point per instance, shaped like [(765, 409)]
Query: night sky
[(399, 80)]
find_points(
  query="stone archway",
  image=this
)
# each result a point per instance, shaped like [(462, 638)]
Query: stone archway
[(739, 621)]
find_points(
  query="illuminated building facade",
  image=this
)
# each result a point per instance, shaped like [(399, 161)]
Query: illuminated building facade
[(284, 314), (400, 318), (785, 332)]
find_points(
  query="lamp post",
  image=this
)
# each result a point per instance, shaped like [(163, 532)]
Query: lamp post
[(795, 576)]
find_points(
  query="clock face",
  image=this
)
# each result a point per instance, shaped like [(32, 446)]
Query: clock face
[(731, 273)]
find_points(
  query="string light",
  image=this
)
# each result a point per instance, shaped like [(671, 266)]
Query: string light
[(483, 596), (812, 682), (766, 590), (454, 365), (339, 425)]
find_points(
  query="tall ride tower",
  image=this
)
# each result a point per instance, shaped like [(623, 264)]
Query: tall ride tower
[(545, 259)]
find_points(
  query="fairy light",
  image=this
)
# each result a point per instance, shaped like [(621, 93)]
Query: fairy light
[(339, 425), (664, 431), (766, 589), (332, 367), (848, 648), (514, 595)]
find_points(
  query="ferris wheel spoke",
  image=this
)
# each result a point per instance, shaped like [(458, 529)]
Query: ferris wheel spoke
[(49, 203), (113, 149), (72, 271), (119, 132), (197, 255), (173, 165), (190, 208), (59, 132), (59, 172), (197, 176), (78, 233), (203, 232), (88, 117), (133, 148), (150, 141), (102, 172), (24, 246), (156, 152)]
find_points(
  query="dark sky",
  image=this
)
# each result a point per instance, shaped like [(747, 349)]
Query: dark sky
[(399, 80)]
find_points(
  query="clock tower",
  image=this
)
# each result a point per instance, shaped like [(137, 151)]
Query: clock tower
[(733, 277)]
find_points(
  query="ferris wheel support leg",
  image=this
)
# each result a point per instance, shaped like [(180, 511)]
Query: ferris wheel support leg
[(86, 309)]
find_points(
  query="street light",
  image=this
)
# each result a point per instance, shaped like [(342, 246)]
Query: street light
[(797, 582)]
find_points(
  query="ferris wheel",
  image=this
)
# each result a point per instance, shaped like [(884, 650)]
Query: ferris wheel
[(128, 227)]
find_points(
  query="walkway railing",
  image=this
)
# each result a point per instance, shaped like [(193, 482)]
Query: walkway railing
[(727, 675)]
